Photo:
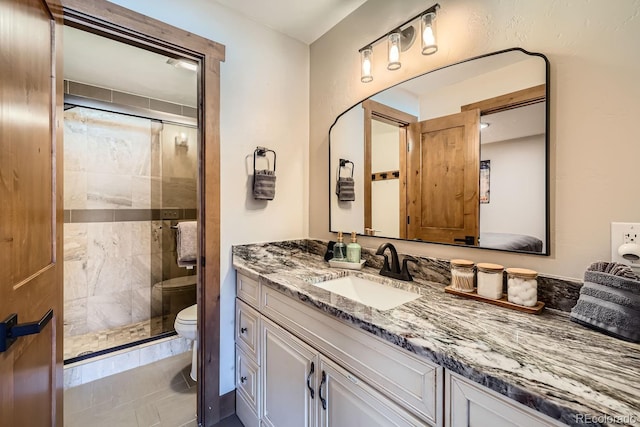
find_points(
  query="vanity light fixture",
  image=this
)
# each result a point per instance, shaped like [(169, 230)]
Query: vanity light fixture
[(428, 31), (400, 39), (366, 55), (394, 51)]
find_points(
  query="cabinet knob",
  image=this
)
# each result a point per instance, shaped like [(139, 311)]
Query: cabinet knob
[(243, 330), (243, 379)]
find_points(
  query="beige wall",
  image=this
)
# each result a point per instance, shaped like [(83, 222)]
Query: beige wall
[(264, 101), (593, 51)]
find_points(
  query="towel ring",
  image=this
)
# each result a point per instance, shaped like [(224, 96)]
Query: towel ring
[(262, 152), (343, 164)]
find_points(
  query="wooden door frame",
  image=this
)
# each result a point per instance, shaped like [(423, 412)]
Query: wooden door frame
[(376, 111), (508, 101), (116, 22)]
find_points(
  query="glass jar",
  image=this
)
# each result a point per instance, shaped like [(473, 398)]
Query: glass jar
[(462, 275), (522, 286), (490, 280)]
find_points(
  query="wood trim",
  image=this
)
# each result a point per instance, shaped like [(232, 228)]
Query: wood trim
[(367, 165), (393, 116), (136, 26), (227, 404), (508, 101), (102, 17), (384, 113), (404, 148)]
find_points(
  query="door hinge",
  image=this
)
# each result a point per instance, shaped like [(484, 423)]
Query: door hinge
[(408, 219)]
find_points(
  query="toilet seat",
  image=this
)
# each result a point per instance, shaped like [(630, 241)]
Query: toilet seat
[(188, 316)]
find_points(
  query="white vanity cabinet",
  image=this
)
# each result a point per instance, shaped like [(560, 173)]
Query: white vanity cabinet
[(302, 388), (299, 367), (470, 404)]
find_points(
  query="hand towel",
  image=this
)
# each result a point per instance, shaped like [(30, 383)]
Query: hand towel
[(187, 243), (264, 184), (610, 301), (345, 189)]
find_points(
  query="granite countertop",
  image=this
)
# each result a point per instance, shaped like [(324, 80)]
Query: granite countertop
[(548, 363)]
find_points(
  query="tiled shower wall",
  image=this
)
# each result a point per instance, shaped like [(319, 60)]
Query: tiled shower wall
[(113, 233)]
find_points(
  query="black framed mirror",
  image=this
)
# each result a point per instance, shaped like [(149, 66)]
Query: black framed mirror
[(458, 155)]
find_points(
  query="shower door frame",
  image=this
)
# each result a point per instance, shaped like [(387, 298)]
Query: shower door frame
[(121, 24)]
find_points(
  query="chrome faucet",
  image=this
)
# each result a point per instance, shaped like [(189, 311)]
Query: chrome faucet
[(394, 271)]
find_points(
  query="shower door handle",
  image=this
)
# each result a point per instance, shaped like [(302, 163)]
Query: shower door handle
[(10, 330)]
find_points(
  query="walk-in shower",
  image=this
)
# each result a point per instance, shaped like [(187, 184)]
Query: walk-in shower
[(130, 174)]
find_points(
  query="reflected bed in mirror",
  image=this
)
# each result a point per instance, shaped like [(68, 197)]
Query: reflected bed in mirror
[(457, 156)]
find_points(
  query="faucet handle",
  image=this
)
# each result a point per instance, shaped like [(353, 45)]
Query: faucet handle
[(405, 274)]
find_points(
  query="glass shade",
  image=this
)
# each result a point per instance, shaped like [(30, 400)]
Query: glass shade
[(394, 51), (428, 32), (366, 58)]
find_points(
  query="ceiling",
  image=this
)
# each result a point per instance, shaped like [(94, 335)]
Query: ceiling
[(103, 62), (304, 20)]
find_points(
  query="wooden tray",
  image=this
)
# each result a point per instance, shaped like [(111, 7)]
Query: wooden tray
[(502, 302)]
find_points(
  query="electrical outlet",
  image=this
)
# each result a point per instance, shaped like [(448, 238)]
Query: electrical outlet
[(630, 237), (623, 233)]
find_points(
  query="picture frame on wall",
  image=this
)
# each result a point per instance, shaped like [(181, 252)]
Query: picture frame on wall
[(485, 175)]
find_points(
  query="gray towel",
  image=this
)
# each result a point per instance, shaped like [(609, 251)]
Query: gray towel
[(610, 302), (187, 243), (264, 185), (345, 189)]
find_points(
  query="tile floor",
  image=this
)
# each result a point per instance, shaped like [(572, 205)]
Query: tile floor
[(100, 340), (158, 394)]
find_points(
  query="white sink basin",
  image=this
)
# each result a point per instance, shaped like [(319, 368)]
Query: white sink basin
[(367, 292)]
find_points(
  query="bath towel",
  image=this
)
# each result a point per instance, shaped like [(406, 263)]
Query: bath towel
[(264, 184), (187, 243), (610, 301), (345, 189)]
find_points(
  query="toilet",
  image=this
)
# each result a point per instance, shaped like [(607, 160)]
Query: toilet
[(186, 326)]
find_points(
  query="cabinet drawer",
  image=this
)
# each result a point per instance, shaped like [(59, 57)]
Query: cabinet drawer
[(248, 290), (248, 379), (468, 403), (248, 329), (405, 378)]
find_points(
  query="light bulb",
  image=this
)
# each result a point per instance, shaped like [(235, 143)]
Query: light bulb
[(428, 24), (394, 51), (365, 56)]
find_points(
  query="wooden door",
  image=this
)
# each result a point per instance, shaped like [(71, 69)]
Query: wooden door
[(289, 369), (443, 179), (30, 216)]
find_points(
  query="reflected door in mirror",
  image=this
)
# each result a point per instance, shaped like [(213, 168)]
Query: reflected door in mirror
[(443, 180)]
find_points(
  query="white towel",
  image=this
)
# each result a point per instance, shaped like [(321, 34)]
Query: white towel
[(187, 243)]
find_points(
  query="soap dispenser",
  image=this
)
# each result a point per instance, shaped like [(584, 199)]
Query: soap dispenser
[(340, 249), (353, 249)]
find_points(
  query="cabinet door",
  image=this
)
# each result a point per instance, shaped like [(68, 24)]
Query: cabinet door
[(470, 405), (289, 369), (344, 400)]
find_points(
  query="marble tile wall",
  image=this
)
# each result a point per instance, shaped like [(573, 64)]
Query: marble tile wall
[(116, 163)]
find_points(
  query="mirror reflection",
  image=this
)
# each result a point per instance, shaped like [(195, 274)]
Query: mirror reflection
[(455, 156)]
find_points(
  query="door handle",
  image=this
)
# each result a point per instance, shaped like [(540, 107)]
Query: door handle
[(322, 399), (311, 371), (10, 330)]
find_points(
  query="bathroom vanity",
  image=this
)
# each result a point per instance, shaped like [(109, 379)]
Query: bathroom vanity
[(306, 356)]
